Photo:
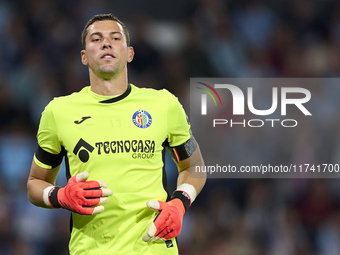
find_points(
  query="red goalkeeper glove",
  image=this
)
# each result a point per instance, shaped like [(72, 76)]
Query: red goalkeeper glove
[(79, 195), (168, 223)]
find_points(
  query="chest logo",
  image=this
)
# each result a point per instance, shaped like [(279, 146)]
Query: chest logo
[(142, 119), (83, 153), (82, 119)]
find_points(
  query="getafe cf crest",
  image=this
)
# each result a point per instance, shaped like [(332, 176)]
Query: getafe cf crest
[(142, 119)]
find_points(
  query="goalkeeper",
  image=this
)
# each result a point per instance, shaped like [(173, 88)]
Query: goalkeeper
[(112, 136)]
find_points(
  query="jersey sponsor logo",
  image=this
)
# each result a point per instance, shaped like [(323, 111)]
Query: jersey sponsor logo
[(142, 119), (83, 154), (140, 149), (82, 120)]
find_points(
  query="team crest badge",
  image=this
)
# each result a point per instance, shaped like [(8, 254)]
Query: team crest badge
[(142, 119)]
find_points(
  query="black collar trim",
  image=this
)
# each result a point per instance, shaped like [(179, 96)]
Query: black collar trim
[(118, 98)]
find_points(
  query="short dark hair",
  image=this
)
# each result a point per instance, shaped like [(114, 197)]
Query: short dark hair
[(101, 17)]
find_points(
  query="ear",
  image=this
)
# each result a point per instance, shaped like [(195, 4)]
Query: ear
[(131, 54), (84, 58)]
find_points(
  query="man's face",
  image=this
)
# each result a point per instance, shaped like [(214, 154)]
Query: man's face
[(106, 50)]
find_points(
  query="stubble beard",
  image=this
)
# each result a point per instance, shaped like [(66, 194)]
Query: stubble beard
[(109, 71)]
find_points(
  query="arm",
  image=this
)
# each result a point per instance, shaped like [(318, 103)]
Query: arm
[(79, 195), (184, 168), (38, 180), (168, 223)]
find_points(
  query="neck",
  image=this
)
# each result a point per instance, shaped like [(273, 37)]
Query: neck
[(110, 85)]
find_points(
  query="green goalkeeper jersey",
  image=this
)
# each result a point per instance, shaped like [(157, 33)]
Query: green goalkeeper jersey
[(118, 140)]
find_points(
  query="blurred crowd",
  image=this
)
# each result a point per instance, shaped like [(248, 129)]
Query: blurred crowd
[(173, 41)]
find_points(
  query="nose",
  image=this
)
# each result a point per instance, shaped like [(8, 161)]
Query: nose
[(106, 44)]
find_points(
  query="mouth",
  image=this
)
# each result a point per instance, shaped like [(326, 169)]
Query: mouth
[(107, 56)]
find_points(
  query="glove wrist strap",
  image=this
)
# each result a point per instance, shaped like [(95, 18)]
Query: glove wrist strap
[(186, 193), (53, 197), (181, 195)]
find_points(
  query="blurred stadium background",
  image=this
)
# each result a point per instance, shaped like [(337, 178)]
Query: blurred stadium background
[(173, 41)]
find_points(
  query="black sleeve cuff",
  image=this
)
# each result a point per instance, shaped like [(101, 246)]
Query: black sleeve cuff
[(184, 150), (49, 159)]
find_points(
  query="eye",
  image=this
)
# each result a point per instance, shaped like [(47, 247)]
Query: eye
[(95, 40), (116, 38)]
